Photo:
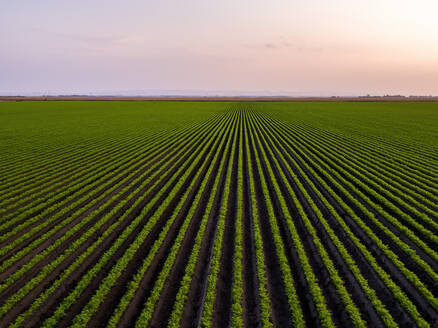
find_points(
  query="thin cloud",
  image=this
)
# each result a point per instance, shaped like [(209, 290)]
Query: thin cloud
[(93, 39), (270, 46), (316, 47)]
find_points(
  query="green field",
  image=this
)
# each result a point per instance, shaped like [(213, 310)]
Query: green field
[(306, 214)]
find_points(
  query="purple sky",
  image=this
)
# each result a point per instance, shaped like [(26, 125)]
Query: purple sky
[(314, 47)]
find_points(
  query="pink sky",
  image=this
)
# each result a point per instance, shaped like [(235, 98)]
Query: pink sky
[(314, 47)]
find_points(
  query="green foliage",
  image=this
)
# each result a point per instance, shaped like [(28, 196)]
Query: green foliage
[(350, 188)]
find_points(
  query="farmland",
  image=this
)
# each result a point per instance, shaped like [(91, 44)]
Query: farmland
[(304, 214)]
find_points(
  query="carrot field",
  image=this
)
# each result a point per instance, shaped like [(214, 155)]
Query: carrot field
[(200, 214)]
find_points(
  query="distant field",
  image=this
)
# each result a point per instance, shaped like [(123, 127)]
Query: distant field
[(307, 214)]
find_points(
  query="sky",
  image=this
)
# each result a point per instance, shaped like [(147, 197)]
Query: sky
[(277, 47)]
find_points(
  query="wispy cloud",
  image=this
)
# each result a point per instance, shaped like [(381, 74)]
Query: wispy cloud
[(292, 46), (97, 39), (315, 46), (270, 46)]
